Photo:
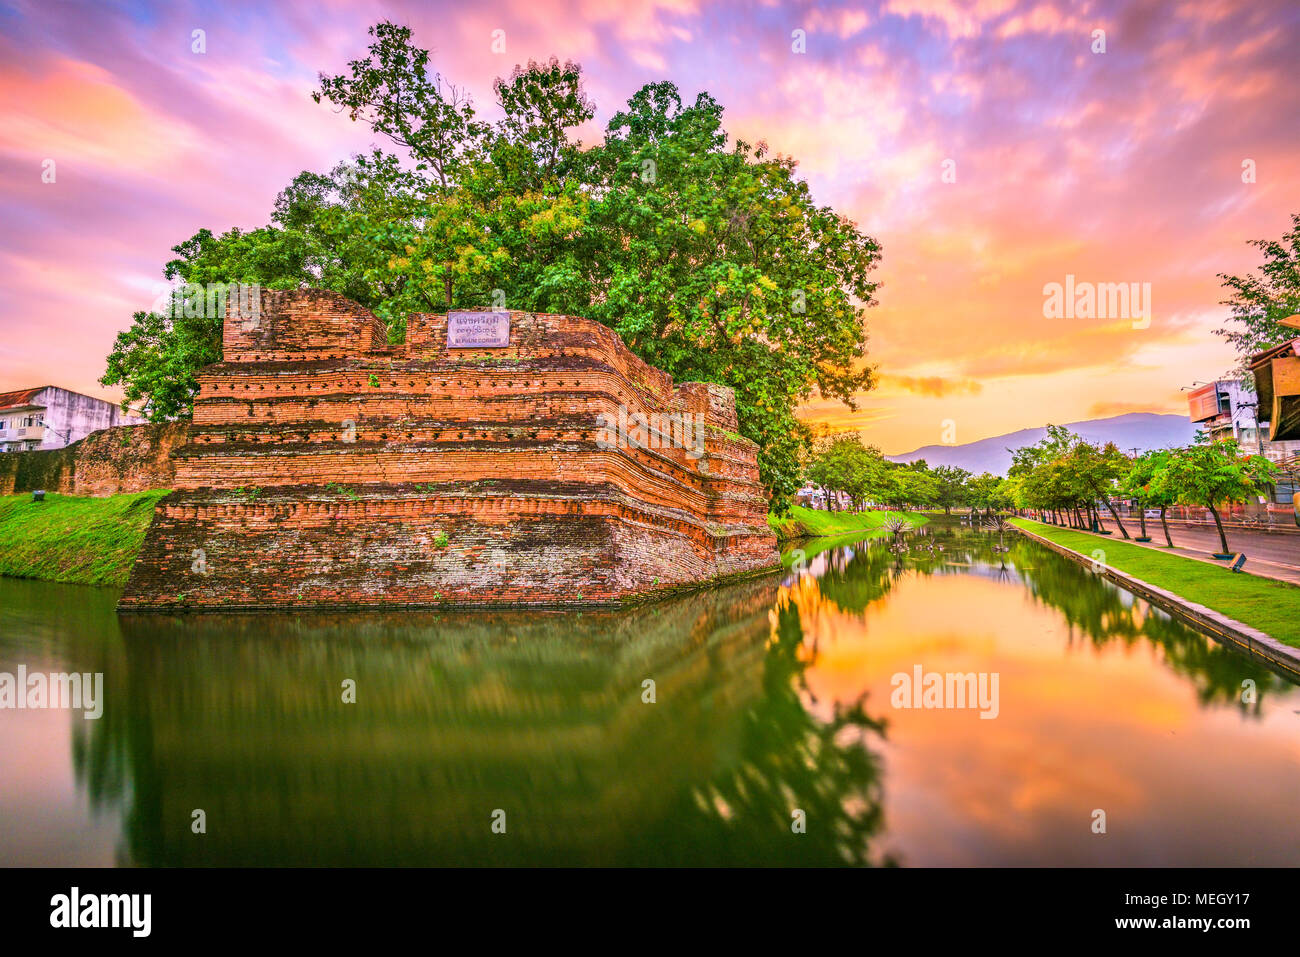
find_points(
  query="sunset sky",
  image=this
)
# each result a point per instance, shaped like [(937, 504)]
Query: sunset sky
[(1122, 166)]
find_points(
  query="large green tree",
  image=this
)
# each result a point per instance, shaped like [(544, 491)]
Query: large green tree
[(843, 463), (1257, 302), (1098, 471), (1144, 484), (1210, 473), (707, 254), (954, 489)]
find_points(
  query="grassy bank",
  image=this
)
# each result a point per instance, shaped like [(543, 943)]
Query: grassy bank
[(83, 541), (810, 522), (1271, 606)]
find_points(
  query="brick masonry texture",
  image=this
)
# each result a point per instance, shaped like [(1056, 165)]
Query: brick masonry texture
[(325, 466), (125, 458)]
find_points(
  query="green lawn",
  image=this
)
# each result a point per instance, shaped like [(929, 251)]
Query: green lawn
[(805, 522), (1271, 606), (84, 541)]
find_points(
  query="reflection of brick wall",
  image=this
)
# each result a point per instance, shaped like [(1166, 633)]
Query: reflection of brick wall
[(325, 466), (125, 458), (420, 740)]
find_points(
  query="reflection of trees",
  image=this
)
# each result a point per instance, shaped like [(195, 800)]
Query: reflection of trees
[(789, 760), (1104, 613), (536, 713), (857, 576), (1096, 609)]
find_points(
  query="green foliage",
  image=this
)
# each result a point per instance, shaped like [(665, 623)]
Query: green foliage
[(953, 487), (1258, 302), (1144, 481), (1062, 471), (336, 489), (1209, 473), (392, 91), (842, 463), (911, 485), (706, 254), (800, 522), (990, 493)]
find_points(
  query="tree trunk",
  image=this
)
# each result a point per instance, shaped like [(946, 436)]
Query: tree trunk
[(1165, 525), (1142, 517), (1223, 539), (1115, 515)]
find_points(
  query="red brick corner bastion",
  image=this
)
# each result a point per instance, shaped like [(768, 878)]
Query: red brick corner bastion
[(327, 467)]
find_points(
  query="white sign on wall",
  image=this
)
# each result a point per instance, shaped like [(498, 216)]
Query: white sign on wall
[(478, 330)]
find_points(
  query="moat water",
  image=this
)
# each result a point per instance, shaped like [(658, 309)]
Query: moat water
[(776, 733)]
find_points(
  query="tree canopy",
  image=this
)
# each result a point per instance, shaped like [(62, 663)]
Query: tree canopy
[(1259, 301), (707, 254)]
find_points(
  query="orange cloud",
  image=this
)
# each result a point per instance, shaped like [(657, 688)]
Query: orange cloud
[(934, 385)]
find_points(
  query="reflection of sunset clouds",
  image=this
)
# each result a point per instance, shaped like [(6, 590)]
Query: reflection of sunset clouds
[(1080, 727)]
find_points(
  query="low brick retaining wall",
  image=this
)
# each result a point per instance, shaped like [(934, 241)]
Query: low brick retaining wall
[(124, 458), (1218, 626)]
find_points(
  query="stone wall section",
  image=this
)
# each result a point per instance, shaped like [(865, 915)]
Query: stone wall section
[(124, 458), (325, 466)]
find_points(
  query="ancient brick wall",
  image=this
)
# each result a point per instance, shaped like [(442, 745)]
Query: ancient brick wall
[(325, 466), (125, 458)]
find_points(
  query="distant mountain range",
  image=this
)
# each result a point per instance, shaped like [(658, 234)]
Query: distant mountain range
[(1140, 430)]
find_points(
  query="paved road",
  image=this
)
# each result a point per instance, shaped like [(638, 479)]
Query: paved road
[(1274, 554)]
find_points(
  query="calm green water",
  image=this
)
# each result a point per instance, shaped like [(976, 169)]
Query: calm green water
[(771, 696)]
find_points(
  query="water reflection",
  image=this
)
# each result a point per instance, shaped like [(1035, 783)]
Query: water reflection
[(457, 715), (771, 697)]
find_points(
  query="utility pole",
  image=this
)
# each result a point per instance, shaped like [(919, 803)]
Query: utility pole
[(1259, 441)]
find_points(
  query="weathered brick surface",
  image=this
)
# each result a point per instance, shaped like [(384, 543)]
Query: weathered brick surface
[(326, 467), (124, 458)]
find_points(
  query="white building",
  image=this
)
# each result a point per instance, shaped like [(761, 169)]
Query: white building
[(1224, 409), (47, 417)]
